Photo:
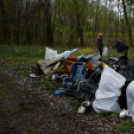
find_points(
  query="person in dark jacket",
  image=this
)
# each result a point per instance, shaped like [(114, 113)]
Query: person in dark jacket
[(100, 43), (121, 46)]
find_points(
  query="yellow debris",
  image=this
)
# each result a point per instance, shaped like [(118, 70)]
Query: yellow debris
[(84, 51)]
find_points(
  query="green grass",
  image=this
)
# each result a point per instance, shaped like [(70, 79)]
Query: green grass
[(125, 126), (27, 54), (77, 103), (114, 113), (35, 53), (19, 56), (97, 114), (103, 114), (11, 98), (17, 52), (49, 84), (4, 89)]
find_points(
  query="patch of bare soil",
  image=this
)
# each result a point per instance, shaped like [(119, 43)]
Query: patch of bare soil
[(27, 109)]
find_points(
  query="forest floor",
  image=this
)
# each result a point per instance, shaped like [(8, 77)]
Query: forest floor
[(26, 108)]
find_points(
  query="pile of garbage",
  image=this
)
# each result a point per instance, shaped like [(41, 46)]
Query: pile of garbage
[(106, 85)]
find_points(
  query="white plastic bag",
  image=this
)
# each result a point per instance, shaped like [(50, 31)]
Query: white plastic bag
[(105, 106), (130, 96), (109, 76), (105, 51), (49, 53), (106, 96), (133, 112)]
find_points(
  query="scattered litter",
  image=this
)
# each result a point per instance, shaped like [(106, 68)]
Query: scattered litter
[(93, 83), (49, 53), (83, 107), (81, 110), (33, 75), (54, 76), (58, 92), (123, 113)]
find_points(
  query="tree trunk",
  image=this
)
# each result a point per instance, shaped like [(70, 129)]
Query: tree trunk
[(15, 24), (5, 34), (129, 29), (49, 35), (80, 29), (39, 30), (27, 26)]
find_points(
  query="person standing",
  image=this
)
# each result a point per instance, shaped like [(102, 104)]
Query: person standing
[(100, 43)]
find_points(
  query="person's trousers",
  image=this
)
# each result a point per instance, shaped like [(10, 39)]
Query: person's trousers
[(100, 52)]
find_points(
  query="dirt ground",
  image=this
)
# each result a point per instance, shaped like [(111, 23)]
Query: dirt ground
[(25, 108)]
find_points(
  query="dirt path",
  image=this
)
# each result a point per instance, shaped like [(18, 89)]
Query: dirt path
[(26, 109)]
